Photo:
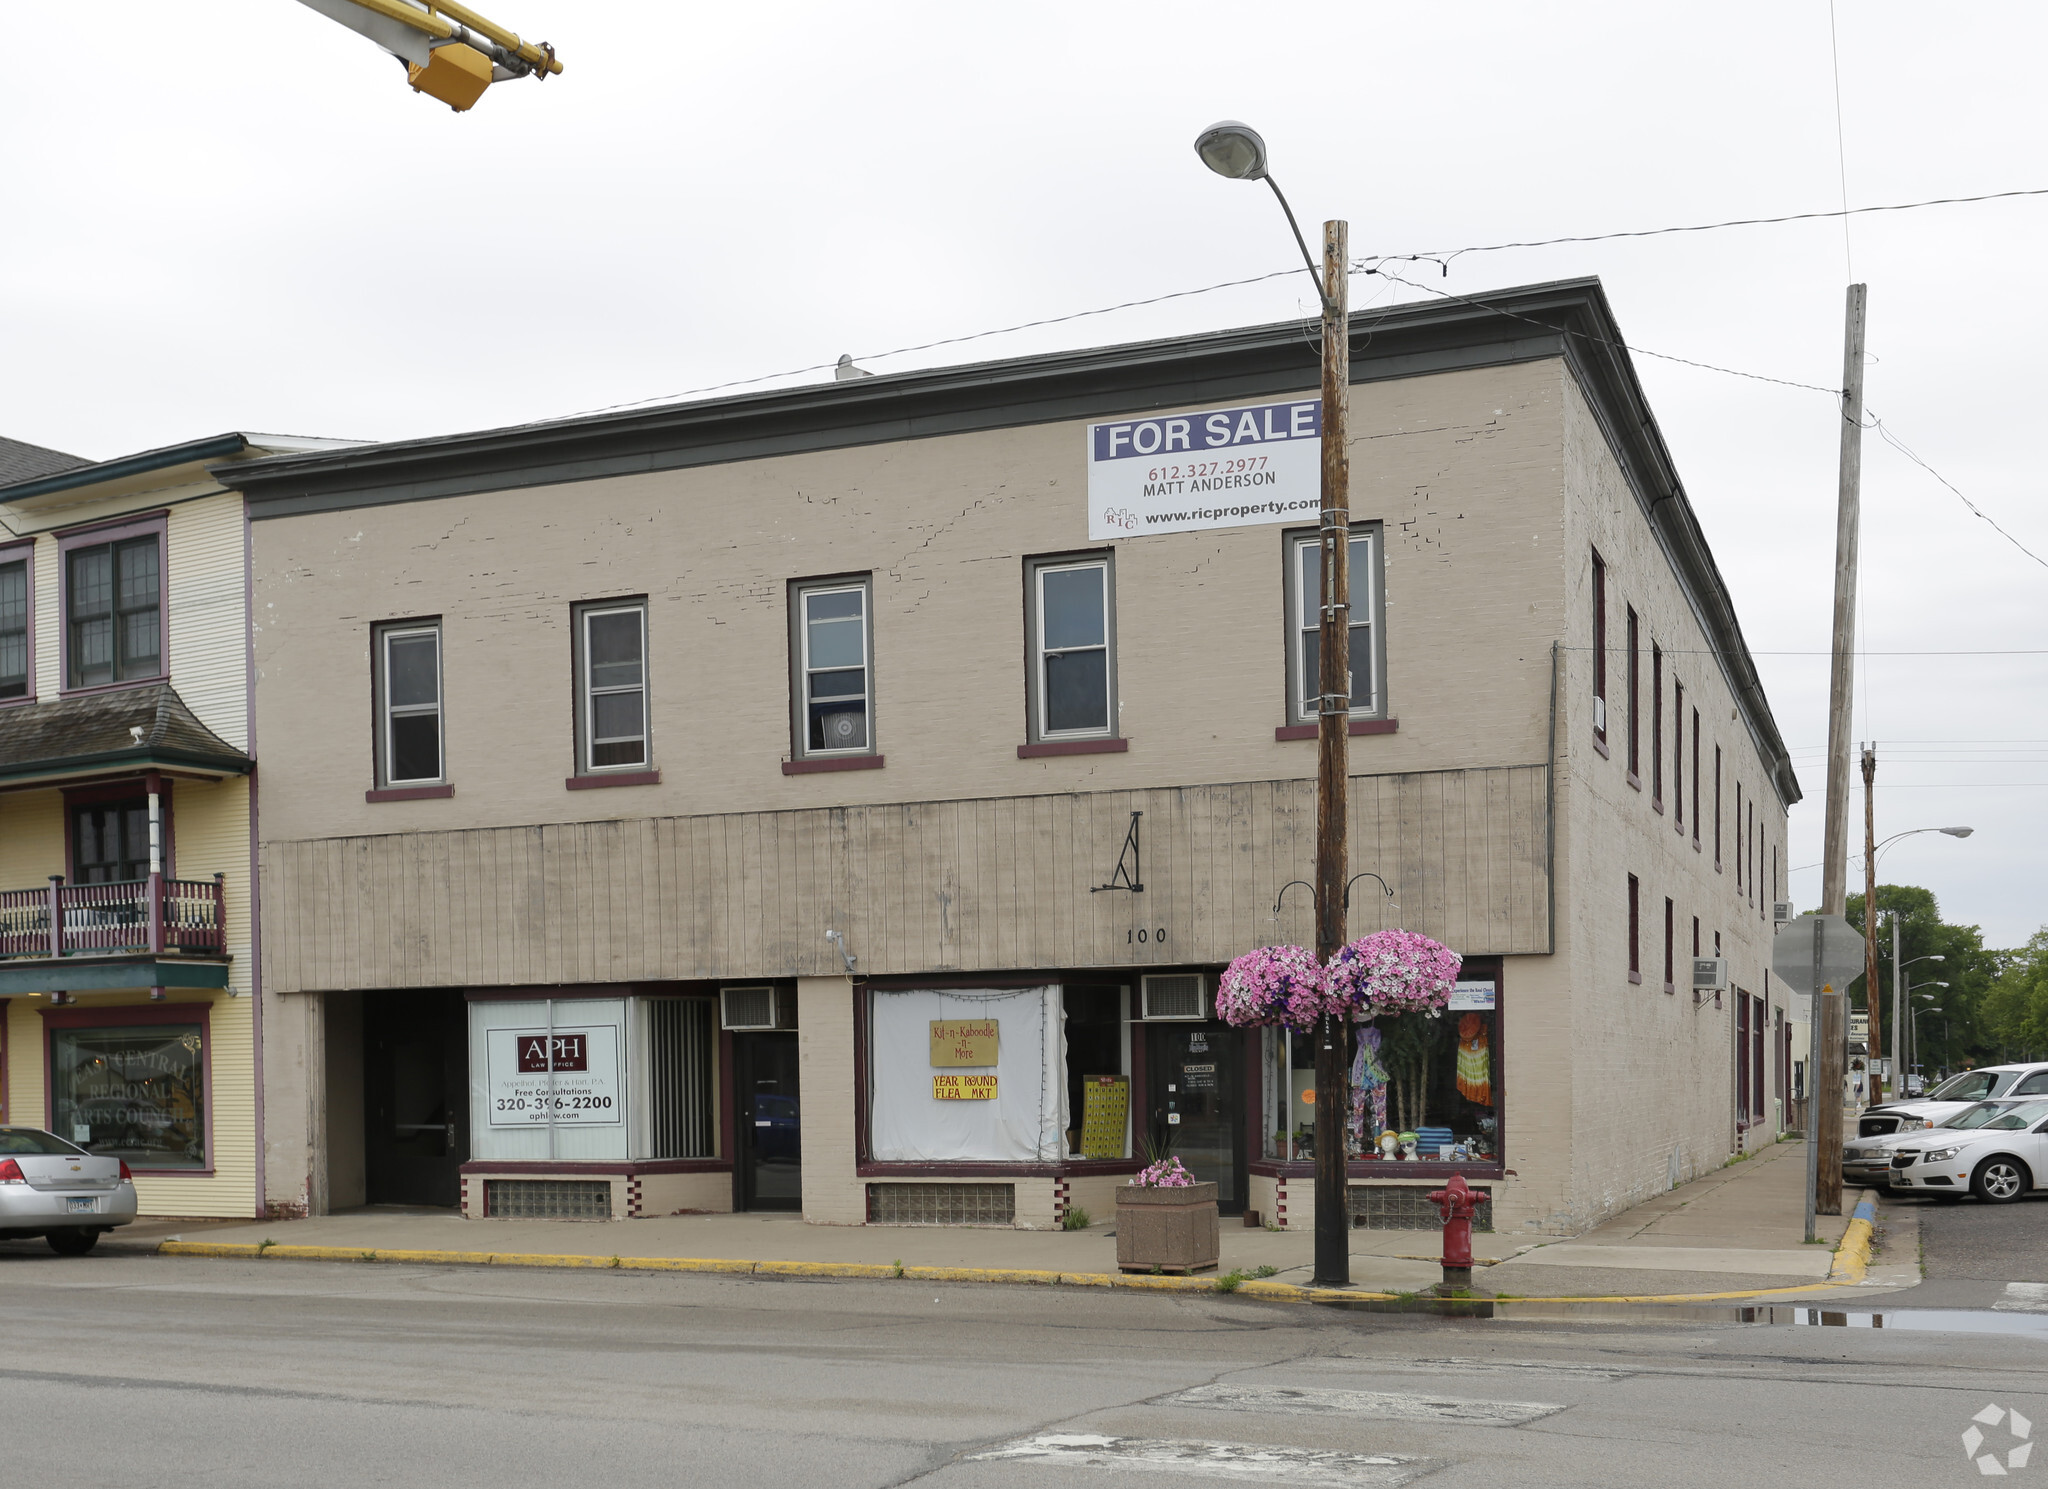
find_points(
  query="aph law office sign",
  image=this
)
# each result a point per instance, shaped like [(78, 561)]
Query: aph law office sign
[(569, 1077), (1228, 467)]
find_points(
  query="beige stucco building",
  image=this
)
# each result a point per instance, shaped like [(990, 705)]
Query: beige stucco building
[(644, 791), (129, 1021)]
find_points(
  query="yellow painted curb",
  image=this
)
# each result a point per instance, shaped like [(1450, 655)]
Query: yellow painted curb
[(688, 1264), (534, 1259), (823, 1269), (1087, 1279), (1146, 1282)]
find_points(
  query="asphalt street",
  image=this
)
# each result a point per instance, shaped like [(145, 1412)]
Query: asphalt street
[(124, 1369)]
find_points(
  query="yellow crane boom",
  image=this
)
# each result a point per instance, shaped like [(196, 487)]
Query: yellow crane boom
[(450, 52)]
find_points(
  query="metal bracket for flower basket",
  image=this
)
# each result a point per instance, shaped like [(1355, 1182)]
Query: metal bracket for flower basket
[(1368, 874), (1129, 871)]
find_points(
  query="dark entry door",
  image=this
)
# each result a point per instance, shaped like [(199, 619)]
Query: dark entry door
[(1194, 1078), (769, 1112), (416, 1106)]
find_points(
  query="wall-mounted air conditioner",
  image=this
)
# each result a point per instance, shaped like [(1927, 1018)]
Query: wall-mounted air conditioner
[(744, 1009), (1782, 912), (1179, 995), (1709, 974)]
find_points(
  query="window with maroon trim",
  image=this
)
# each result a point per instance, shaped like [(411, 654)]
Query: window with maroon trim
[(1635, 929), (1678, 756), (16, 665), (1741, 842), (1599, 648), (407, 675), (135, 1092), (1669, 960), (1717, 801), (113, 611), (1657, 727), (1695, 778), (1635, 712)]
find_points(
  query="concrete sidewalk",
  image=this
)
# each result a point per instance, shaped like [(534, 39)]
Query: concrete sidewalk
[(1737, 1230)]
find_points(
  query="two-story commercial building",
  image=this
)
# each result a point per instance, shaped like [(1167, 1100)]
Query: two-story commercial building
[(128, 1016), (845, 797)]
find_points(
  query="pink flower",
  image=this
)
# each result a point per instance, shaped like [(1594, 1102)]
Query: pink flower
[(1165, 1174), (1391, 972), (1280, 985)]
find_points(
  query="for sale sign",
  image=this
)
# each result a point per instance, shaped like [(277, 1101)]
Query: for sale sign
[(1187, 472), (569, 1077)]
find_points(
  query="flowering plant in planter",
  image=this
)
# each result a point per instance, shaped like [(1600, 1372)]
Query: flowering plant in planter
[(1165, 1174), (1272, 985), (1391, 972)]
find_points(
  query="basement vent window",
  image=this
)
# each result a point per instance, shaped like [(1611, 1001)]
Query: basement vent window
[(942, 1204), (1407, 1207), (548, 1199)]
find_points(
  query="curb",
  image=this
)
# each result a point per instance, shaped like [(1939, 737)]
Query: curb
[(1852, 1260)]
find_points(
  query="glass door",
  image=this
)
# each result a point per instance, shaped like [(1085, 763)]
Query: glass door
[(416, 1082), (1194, 1079), (769, 1110)]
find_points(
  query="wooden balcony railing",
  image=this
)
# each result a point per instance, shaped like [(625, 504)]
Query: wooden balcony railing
[(148, 915)]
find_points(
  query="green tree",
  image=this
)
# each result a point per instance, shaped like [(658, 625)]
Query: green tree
[(1961, 1033), (2015, 1008)]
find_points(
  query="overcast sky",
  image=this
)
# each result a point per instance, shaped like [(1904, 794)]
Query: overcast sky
[(234, 215)]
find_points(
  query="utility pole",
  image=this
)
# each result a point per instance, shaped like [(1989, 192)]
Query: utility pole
[(1333, 761), (1830, 1024), (1903, 1038), (1875, 1042)]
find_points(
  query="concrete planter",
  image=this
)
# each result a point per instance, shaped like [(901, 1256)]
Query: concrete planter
[(1167, 1230)]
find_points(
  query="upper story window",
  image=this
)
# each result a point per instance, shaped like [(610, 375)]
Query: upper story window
[(14, 609), (831, 649), (1600, 649), (408, 693), (113, 611), (1072, 627), (1635, 711), (1304, 632), (611, 686)]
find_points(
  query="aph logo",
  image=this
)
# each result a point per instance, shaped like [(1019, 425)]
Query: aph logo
[(2017, 1427)]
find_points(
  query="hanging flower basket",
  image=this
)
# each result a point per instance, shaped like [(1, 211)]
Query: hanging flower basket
[(1391, 972), (1276, 985)]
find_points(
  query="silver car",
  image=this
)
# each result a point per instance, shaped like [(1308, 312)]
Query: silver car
[(56, 1190)]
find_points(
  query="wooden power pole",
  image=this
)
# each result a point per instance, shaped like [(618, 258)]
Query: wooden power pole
[(1333, 762), (1830, 1022), (1870, 992)]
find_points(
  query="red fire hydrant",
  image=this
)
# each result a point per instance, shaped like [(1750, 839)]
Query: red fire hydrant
[(1456, 1202)]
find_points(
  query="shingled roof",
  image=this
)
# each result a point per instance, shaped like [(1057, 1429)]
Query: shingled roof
[(21, 461), (130, 728)]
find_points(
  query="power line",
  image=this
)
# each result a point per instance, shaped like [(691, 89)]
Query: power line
[(1841, 145), (1443, 257), (1898, 444)]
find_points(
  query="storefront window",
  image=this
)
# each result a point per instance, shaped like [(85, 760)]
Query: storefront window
[(138, 1094), (968, 1075), (548, 1079), (1431, 1083), (1098, 1112)]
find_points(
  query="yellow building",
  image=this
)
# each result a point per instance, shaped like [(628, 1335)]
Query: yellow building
[(132, 1015)]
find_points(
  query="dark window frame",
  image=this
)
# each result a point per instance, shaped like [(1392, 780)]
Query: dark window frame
[(1300, 697), (1635, 929), (1036, 566), (1635, 728), (1717, 808), (117, 534), (23, 552), (1670, 947), (799, 673), (1656, 727), (1695, 780), (380, 638), (582, 695), (1599, 652), (1678, 757), (55, 1019)]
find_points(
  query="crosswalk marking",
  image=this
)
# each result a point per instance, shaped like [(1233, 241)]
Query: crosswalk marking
[(1462, 1365), (2023, 1297), (1378, 1406), (1220, 1459)]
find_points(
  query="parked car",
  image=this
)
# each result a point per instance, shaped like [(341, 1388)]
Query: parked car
[(1868, 1160), (57, 1190), (1999, 1162), (1952, 1096)]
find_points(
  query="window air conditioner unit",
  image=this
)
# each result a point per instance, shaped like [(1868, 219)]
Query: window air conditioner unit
[(1709, 974), (1599, 713), (1183, 995), (742, 1009), (1782, 912)]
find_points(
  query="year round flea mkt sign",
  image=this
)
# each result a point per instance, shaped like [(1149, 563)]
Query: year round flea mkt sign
[(571, 1076), (1229, 467)]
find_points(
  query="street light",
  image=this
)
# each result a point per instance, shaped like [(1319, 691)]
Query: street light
[(1913, 1032), (1235, 150), (1872, 855)]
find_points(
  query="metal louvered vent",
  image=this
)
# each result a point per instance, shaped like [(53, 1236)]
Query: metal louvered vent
[(746, 1008), (1181, 996)]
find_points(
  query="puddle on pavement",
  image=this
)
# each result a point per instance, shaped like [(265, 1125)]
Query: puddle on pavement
[(1781, 1316)]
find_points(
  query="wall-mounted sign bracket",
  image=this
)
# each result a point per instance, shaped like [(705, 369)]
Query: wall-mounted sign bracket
[(1130, 873)]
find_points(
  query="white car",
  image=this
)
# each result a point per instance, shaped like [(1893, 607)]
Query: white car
[(1999, 1162), (1953, 1095), (1868, 1160), (57, 1190)]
